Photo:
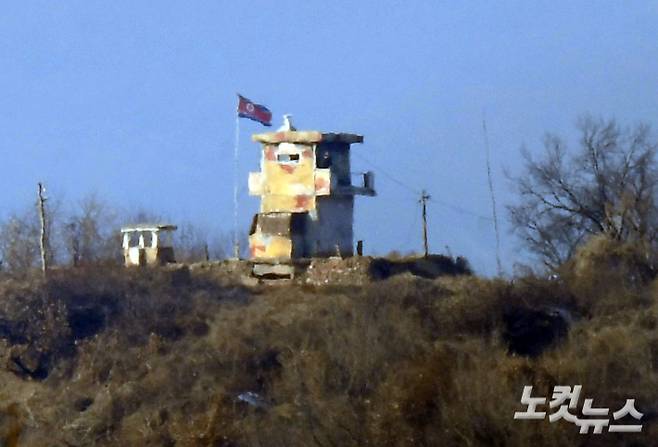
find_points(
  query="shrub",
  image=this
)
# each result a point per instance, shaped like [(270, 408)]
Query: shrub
[(165, 357)]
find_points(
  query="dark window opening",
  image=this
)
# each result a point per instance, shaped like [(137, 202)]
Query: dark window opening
[(254, 224), (288, 158), (298, 223), (323, 160)]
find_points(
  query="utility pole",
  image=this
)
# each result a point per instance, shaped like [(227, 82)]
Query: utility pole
[(43, 242), (424, 197)]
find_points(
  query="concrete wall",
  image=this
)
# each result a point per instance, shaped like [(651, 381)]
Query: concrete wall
[(339, 154), (287, 185), (331, 227)]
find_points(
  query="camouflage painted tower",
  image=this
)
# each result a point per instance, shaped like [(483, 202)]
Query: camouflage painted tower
[(307, 195)]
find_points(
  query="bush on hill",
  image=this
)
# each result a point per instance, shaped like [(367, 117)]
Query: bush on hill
[(177, 357)]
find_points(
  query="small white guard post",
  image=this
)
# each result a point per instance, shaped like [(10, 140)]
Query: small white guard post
[(148, 244)]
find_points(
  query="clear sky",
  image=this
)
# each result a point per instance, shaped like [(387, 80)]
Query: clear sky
[(136, 100)]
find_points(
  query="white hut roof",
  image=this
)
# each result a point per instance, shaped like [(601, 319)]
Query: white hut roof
[(148, 227)]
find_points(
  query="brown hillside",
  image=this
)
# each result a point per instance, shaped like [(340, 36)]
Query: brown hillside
[(195, 358)]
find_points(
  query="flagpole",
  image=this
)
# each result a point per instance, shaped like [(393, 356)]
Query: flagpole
[(236, 243)]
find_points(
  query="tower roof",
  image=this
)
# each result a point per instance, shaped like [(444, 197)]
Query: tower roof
[(306, 136)]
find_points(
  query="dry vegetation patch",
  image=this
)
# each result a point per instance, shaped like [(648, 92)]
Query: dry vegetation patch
[(168, 357)]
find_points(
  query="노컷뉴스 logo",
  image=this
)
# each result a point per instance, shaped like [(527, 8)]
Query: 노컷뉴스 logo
[(565, 398)]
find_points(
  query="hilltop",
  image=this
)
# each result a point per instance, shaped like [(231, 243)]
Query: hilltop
[(395, 356)]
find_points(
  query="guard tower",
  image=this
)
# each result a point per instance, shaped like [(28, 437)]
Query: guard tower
[(148, 244), (307, 195)]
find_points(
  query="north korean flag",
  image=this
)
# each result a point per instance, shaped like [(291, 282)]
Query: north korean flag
[(253, 111)]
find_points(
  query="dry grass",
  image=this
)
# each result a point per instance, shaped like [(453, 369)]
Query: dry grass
[(159, 358)]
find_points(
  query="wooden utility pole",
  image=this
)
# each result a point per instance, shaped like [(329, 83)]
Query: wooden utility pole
[(43, 241), (424, 197)]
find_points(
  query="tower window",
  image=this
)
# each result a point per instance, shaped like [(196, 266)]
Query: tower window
[(288, 158), (323, 160)]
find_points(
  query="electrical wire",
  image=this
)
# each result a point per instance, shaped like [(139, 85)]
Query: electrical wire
[(417, 192), (388, 175), (412, 227)]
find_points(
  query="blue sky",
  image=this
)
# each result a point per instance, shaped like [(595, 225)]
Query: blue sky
[(135, 100)]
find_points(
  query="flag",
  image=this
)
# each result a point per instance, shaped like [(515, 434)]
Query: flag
[(253, 111)]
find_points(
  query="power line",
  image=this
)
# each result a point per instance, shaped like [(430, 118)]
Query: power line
[(412, 227), (388, 175), (416, 192), (460, 209)]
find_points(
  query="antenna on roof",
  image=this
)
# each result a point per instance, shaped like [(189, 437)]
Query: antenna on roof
[(491, 192)]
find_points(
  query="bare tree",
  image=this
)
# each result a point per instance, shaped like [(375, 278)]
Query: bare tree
[(221, 245), (19, 243), (20, 238), (191, 243), (607, 185), (91, 232)]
